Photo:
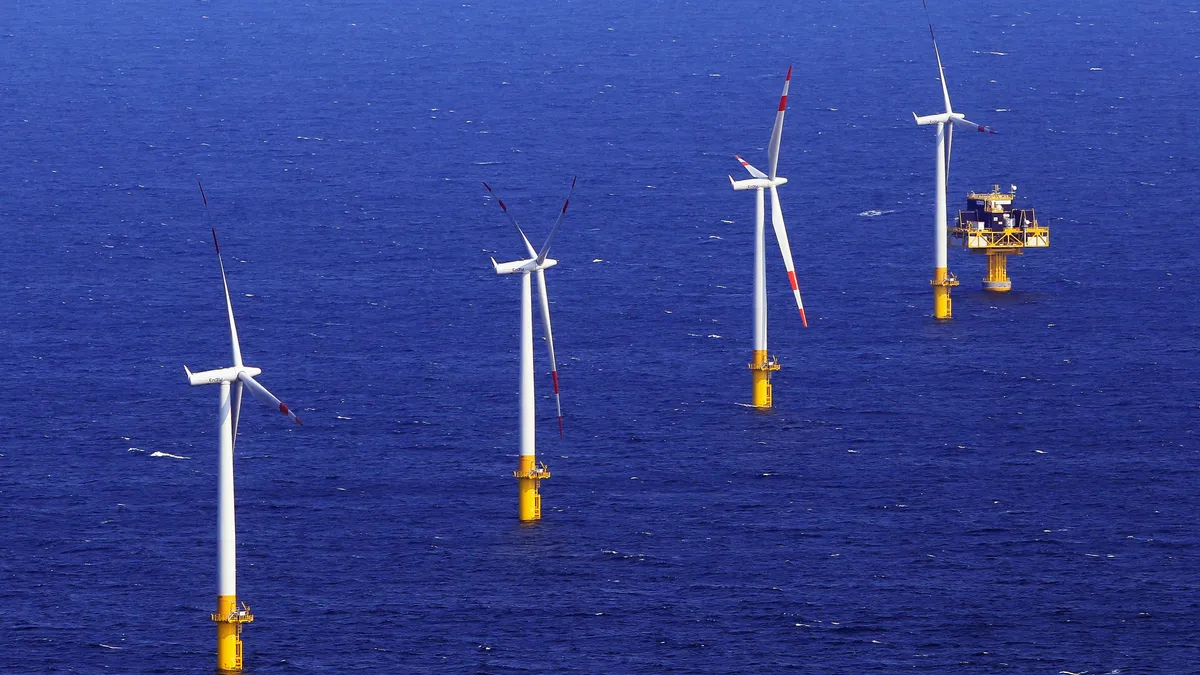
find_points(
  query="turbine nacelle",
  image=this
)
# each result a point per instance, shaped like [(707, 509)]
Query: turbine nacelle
[(220, 375), (523, 266), (926, 120), (757, 183), (958, 119)]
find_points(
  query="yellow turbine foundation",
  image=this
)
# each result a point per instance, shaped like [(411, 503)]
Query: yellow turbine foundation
[(997, 280), (761, 369), (942, 282), (529, 476), (229, 632)]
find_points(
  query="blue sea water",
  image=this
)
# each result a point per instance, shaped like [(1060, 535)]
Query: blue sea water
[(1013, 490)]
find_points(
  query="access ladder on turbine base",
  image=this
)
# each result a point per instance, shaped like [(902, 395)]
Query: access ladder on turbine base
[(761, 370), (991, 226)]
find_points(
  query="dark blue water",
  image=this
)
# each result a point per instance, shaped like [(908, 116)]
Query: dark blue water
[(1014, 490)]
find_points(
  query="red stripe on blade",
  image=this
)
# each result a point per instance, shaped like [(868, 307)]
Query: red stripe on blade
[(782, 104), (554, 374), (792, 278), (803, 319), (789, 75)]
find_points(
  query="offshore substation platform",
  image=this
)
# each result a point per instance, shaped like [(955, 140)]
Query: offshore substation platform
[(991, 226)]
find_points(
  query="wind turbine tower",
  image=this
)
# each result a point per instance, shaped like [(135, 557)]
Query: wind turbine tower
[(530, 473), (942, 280), (229, 616), (763, 365)]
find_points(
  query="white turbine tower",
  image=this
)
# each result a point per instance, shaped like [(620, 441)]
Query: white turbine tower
[(942, 279), (529, 473), (229, 617), (762, 366)]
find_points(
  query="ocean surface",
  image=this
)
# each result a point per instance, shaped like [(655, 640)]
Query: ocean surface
[(1014, 490)]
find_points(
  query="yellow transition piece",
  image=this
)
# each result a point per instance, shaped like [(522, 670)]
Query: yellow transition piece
[(761, 369), (942, 282), (229, 632), (529, 476)]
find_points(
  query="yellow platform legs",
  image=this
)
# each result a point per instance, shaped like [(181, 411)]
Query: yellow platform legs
[(942, 282), (997, 280), (761, 370), (529, 476), (229, 632)]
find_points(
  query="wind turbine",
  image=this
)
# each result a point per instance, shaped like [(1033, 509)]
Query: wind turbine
[(943, 280), (229, 617), (762, 366), (530, 473)]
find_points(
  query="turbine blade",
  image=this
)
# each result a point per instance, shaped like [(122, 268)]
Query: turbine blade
[(233, 336), (235, 406), (949, 148), (753, 171), (786, 249), (777, 130), (260, 392), (938, 54), (545, 300), (504, 207), (968, 124), (554, 231)]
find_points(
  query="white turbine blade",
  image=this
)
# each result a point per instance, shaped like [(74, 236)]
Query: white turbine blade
[(949, 148), (545, 300), (786, 249), (968, 124), (235, 406), (237, 348), (260, 392), (753, 171), (554, 231), (777, 130), (504, 207), (938, 54)]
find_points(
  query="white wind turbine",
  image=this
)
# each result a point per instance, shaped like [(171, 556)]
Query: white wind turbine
[(229, 617), (529, 473), (762, 366), (942, 280)]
